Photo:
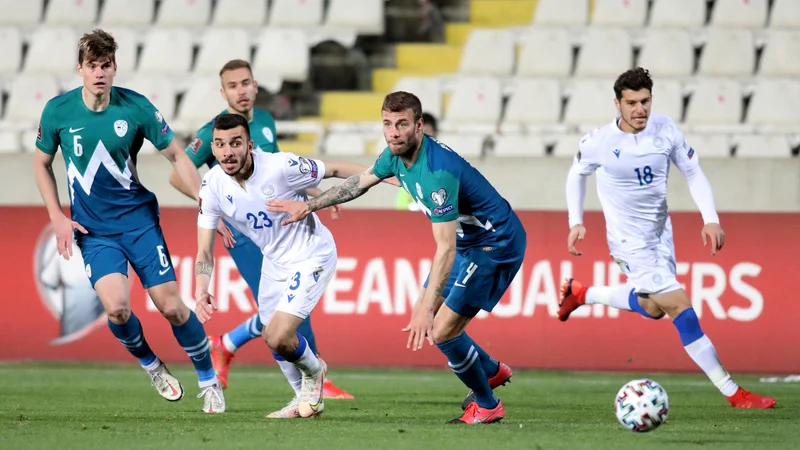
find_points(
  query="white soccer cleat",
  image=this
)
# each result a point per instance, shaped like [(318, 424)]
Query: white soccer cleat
[(213, 400), (290, 411), (168, 386), (311, 400)]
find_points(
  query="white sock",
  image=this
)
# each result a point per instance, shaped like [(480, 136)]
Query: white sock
[(704, 355), (308, 363), (292, 374), (613, 296), (228, 343)]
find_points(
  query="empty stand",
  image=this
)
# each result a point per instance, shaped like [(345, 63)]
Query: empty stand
[(678, 14), (566, 146), (728, 52), (715, 102), (167, 51), (573, 13), (366, 17), (428, 89), (184, 13), (545, 52), (468, 146), (158, 89), (668, 98), (785, 14), (21, 13), (667, 53), (775, 60), (534, 103), (220, 45), (760, 146), (282, 53), (619, 13), (200, 103), (739, 13), (228, 13), (591, 104), (127, 13), (475, 103), (296, 13), (11, 43), (344, 144), (708, 145), (519, 146), (605, 52), (52, 50), (774, 105), (27, 96), (77, 13), (488, 52)]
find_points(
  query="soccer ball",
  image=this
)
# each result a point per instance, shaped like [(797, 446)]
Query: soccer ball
[(642, 405)]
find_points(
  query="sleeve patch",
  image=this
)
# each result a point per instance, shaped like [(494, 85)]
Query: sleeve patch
[(39, 133), (690, 153), (440, 211), (308, 166), (439, 196), (195, 145)]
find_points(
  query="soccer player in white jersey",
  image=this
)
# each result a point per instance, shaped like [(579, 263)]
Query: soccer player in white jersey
[(299, 259), (630, 157)]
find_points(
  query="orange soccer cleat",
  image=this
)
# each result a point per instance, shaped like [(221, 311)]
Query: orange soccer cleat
[(474, 414), (746, 399), (502, 377), (330, 390), (221, 359), (573, 296)]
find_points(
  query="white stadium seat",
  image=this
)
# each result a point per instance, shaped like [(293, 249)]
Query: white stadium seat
[(475, 101), (605, 52), (668, 98), (344, 144), (785, 14), (11, 43), (488, 52), (774, 60), (52, 50), (667, 53), (566, 145), (573, 13), (364, 16), (709, 145), (715, 102), (166, 51), (296, 13), (519, 146), (534, 102), (127, 13), (127, 53), (728, 52), (468, 146), (200, 103), (619, 13), (184, 13), (21, 13), (591, 104), (220, 45), (283, 53), (70, 12), (545, 52), (228, 13), (678, 14), (159, 90), (773, 105), (427, 89), (762, 146), (10, 141), (739, 13), (27, 96)]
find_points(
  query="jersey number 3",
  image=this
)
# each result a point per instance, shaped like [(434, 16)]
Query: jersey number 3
[(645, 175), (266, 221)]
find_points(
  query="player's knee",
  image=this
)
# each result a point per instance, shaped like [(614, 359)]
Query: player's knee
[(443, 332), (118, 313), (175, 312), (673, 303), (278, 340), (651, 308)]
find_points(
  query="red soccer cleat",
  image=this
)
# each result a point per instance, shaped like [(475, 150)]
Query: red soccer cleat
[(330, 390), (474, 414), (573, 295), (221, 359), (746, 399), (502, 377)]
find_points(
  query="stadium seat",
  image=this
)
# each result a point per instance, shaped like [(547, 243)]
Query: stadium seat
[(678, 14), (709, 145), (519, 146), (11, 43), (344, 144), (667, 53), (591, 104), (428, 90), (21, 13), (475, 104), (127, 13), (488, 52), (785, 14), (715, 102), (573, 13), (605, 52), (534, 103), (668, 98), (739, 13), (774, 60), (296, 13), (283, 53), (619, 13), (128, 48), (27, 96), (728, 52), (220, 45), (200, 104), (466, 145), (10, 141), (52, 51), (167, 51), (364, 16), (762, 146), (159, 90), (773, 105), (81, 13), (545, 52), (228, 13), (566, 146), (184, 13)]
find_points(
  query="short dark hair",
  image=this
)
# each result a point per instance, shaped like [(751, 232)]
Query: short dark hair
[(634, 80), (97, 45), (400, 101), (430, 120), (229, 122), (235, 64)]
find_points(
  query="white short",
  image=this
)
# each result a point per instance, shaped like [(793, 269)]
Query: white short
[(651, 270), (295, 288)]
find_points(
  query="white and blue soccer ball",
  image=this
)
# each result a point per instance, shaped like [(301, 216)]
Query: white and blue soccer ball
[(642, 405)]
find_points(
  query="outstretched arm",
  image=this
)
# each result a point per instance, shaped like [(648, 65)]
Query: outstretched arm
[(203, 268), (184, 167)]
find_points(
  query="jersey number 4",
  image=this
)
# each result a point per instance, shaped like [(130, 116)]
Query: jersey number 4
[(265, 220), (645, 175)]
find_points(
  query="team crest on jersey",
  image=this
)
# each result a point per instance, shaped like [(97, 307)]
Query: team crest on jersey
[(658, 142), (159, 117), (419, 191), (308, 166), (268, 190), (439, 196), (121, 128), (268, 134)]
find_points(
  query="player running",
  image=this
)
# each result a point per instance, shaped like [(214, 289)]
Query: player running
[(631, 157), (100, 129), (480, 245), (239, 90), (298, 260)]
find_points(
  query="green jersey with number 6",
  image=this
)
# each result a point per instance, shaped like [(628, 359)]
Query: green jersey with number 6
[(100, 150)]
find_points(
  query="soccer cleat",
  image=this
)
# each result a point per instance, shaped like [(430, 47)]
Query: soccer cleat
[(330, 390), (221, 359), (746, 399), (290, 411), (312, 402), (213, 400), (475, 414), (168, 386), (502, 377), (573, 295)]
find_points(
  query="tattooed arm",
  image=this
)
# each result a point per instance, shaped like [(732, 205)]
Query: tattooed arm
[(203, 268)]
